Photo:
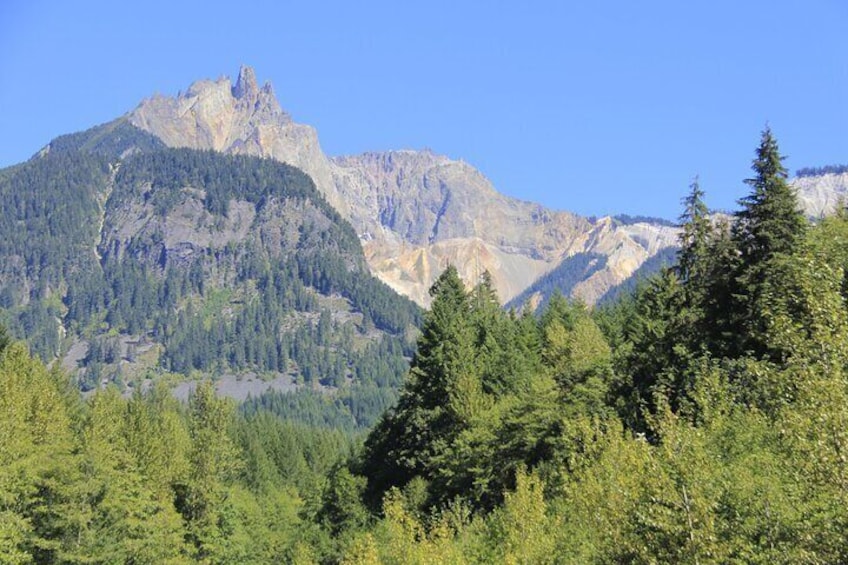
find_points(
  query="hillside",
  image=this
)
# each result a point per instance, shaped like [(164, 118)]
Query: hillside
[(122, 255), (182, 260)]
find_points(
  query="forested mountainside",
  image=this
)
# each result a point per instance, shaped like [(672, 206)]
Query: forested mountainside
[(700, 419), (123, 257)]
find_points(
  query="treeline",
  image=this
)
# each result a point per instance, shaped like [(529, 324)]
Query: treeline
[(113, 140), (818, 171), (50, 210), (356, 402), (148, 480), (49, 221), (161, 175)]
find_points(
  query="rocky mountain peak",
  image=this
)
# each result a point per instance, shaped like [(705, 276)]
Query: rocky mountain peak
[(246, 85), (216, 115), (414, 211), (237, 118)]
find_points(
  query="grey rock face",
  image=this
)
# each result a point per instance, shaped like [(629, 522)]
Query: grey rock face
[(414, 211), (819, 195), (417, 211), (246, 86)]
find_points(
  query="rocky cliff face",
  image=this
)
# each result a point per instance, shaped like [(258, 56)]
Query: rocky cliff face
[(418, 211), (415, 211), (820, 194)]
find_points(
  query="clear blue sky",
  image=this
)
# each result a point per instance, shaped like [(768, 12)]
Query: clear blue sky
[(594, 107)]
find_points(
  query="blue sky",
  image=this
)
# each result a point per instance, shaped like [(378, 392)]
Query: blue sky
[(594, 107)]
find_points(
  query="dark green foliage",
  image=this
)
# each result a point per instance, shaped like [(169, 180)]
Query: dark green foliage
[(628, 220), (487, 393), (161, 175), (4, 338), (695, 234), (769, 226), (112, 140), (50, 208), (341, 502), (377, 374), (770, 222), (407, 440), (642, 432), (818, 171), (718, 299), (310, 407)]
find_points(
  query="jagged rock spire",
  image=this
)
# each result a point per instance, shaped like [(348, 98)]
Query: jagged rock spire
[(246, 84)]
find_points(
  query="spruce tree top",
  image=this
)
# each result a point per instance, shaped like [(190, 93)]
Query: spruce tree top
[(695, 232), (770, 221)]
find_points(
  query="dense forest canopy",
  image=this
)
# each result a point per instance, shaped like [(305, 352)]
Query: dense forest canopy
[(699, 419)]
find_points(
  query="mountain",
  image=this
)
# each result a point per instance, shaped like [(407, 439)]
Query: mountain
[(239, 118), (414, 211), (209, 232), (129, 259)]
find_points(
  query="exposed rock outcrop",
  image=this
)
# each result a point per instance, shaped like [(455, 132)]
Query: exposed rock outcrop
[(418, 211), (240, 118), (819, 195), (415, 211)]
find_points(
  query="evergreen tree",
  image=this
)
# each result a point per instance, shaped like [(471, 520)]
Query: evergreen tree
[(695, 232), (770, 221), (213, 462), (438, 397), (4, 338), (654, 353), (769, 225), (719, 334)]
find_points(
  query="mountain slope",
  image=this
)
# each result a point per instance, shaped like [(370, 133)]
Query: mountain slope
[(414, 211), (190, 261)]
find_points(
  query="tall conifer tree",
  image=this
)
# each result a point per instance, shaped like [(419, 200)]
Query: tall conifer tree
[(407, 442), (770, 225), (694, 236), (770, 221)]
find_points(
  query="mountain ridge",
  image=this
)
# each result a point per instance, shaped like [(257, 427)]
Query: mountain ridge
[(415, 211)]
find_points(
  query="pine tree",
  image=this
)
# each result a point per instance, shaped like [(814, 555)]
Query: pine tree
[(213, 462), (433, 405), (770, 221), (4, 338), (718, 333), (694, 236), (769, 226)]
